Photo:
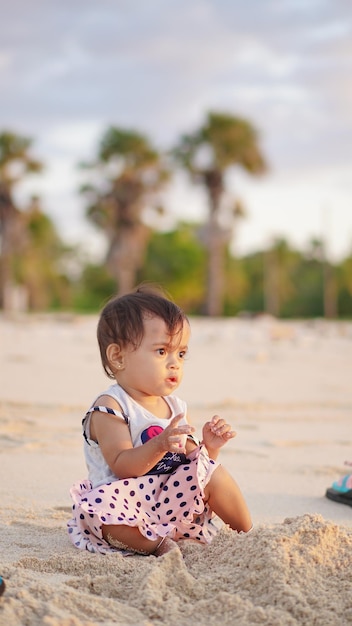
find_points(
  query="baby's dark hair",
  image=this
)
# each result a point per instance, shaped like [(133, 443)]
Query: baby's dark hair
[(122, 319)]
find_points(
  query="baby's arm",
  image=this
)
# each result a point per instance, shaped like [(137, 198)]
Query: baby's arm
[(216, 433), (114, 439)]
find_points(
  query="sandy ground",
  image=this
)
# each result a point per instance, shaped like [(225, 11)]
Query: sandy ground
[(286, 388)]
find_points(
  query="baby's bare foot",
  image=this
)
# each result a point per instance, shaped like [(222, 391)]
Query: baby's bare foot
[(166, 545)]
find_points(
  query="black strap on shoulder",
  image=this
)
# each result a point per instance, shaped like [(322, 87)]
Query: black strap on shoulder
[(103, 409)]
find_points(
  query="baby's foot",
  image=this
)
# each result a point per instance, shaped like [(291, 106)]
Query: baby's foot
[(166, 545)]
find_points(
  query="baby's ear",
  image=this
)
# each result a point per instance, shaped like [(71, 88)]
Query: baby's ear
[(115, 357)]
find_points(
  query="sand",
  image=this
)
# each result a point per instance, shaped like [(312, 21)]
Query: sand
[(285, 387)]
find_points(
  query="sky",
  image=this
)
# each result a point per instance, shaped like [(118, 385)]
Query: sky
[(70, 69)]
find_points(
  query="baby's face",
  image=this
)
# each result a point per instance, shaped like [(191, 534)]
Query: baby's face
[(155, 368)]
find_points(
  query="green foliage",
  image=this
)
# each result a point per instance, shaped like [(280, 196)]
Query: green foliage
[(131, 147), (233, 140), (93, 289), (308, 299), (38, 265), (176, 261), (251, 298), (344, 283), (15, 158), (127, 178)]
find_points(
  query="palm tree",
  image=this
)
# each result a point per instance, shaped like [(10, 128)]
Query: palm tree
[(223, 142), (41, 263), (280, 265), (15, 163), (131, 174)]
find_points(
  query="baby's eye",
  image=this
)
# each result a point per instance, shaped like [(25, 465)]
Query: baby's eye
[(182, 354), (161, 351)]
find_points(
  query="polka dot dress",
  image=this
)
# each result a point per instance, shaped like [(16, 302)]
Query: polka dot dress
[(159, 505)]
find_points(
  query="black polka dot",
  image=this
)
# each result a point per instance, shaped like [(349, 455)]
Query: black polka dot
[(167, 500), (132, 493), (98, 500), (189, 478), (176, 483), (183, 504), (169, 512), (126, 482), (179, 494)]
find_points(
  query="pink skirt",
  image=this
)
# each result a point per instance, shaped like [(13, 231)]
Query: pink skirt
[(159, 505)]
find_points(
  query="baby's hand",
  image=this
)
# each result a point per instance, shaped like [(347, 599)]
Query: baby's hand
[(174, 437), (217, 432)]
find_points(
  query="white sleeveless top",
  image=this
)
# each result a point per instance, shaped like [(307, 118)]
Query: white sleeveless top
[(142, 424)]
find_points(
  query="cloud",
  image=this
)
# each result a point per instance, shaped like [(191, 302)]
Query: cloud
[(70, 69)]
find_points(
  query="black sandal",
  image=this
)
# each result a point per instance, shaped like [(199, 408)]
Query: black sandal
[(344, 497)]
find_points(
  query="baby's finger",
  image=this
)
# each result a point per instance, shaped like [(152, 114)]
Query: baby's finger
[(230, 435), (178, 441), (184, 429), (219, 426), (175, 420)]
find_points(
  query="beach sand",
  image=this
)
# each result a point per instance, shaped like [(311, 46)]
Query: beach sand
[(286, 389)]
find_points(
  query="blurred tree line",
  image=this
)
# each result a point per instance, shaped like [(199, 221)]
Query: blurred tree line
[(193, 262)]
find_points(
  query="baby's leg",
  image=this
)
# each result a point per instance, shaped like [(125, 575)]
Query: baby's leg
[(129, 538), (226, 500)]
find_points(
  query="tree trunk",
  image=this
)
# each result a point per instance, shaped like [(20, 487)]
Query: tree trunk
[(126, 255), (215, 274), (330, 292), (271, 283), (215, 243), (8, 233)]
